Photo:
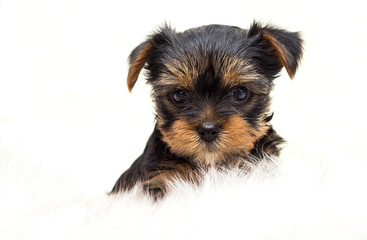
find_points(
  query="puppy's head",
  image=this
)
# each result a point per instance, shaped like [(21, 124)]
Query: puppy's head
[(211, 85)]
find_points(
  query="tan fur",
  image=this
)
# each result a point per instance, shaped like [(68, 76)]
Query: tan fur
[(179, 74), (182, 138), (233, 71), (161, 179), (237, 134), (137, 65), (280, 50), (237, 137)]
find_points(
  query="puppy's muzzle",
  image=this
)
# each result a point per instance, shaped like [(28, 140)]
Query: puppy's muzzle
[(208, 132)]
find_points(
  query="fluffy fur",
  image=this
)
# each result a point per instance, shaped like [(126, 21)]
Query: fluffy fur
[(300, 197)]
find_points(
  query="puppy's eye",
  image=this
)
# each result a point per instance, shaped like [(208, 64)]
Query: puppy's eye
[(179, 95), (240, 93)]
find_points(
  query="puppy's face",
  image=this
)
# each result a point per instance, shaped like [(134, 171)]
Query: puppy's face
[(211, 86), (211, 108)]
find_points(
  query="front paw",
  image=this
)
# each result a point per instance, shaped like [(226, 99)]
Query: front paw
[(160, 182), (156, 187)]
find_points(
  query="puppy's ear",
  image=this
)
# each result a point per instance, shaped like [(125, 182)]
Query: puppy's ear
[(137, 60), (285, 46), (146, 51)]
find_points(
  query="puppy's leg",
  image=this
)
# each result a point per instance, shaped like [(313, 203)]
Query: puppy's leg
[(155, 168), (161, 180)]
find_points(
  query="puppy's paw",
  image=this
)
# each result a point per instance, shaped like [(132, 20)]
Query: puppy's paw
[(157, 186)]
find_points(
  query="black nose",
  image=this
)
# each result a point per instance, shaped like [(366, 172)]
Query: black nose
[(208, 132)]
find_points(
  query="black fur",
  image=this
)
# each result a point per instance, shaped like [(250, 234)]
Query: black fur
[(156, 157), (225, 40)]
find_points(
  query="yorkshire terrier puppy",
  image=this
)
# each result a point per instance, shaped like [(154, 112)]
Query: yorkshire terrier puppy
[(211, 89)]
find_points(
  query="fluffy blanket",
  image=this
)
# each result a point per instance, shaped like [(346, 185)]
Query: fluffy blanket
[(302, 196)]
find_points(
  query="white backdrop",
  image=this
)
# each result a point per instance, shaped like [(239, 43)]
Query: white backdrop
[(67, 119)]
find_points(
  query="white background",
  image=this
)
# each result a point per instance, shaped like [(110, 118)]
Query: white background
[(64, 103)]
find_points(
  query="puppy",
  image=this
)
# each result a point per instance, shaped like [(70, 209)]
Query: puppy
[(211, 89)]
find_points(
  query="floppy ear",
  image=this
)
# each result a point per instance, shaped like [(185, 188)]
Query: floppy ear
[(137, 60), (147, 52), (285, 46)]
